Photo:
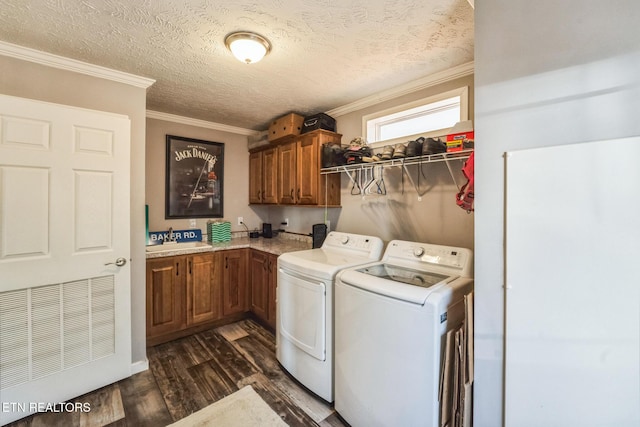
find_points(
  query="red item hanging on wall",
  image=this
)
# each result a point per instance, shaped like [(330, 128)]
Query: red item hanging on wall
[(465, 196)]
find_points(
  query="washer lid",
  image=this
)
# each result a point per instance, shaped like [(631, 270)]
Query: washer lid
[(394, 281), (323, 263), (410, 276)]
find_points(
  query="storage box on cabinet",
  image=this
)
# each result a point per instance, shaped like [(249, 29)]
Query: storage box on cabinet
[(284, 126), (318, 121)]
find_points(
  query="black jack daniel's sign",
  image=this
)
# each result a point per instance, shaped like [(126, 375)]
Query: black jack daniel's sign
[(194, 178)]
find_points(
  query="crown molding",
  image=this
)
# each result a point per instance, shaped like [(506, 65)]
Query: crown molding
[(68, 64), (414, 86), (200, 123)]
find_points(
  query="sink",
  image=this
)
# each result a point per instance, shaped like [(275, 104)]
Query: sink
[(177, 246)]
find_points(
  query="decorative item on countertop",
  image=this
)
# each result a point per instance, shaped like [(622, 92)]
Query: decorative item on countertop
[(218, 231), (358, 149), (318, 121), (159, 237), (461, 137), (289, 125)]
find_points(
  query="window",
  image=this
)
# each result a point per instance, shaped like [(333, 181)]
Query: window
[(432, 116)]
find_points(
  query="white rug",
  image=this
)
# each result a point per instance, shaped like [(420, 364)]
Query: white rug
[(244, 408)]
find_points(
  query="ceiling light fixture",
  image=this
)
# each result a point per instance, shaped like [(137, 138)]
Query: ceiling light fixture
[(247, 47)]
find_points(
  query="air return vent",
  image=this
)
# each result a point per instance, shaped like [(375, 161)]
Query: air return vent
[(47, 329)]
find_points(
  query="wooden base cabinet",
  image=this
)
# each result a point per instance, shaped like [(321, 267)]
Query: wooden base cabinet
[(183, 292), (188, 293), (203, 288), (234, 281), (165, 293), (263, 278)]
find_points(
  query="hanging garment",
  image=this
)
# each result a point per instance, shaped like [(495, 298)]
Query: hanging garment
[(465, 196)]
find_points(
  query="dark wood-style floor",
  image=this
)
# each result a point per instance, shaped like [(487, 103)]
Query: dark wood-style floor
[(188, 374)]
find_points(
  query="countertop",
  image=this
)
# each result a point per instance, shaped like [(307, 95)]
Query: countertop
[(277, 245)]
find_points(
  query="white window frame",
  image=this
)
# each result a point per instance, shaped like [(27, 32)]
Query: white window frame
[(462, 92)]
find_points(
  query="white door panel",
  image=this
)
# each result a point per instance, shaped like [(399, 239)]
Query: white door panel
[(64, 216)]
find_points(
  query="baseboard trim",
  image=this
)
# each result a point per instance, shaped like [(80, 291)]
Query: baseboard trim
[(140, 366)]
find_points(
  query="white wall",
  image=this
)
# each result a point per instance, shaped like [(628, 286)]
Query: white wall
[(547, 73)]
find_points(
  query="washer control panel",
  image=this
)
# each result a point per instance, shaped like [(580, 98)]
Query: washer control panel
[(447, 257)]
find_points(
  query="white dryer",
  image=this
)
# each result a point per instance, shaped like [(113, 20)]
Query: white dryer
[(390, 320), (304, 322)]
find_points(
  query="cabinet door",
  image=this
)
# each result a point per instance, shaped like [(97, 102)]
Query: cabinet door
[(255, 177), (203, 288), (287, 174), (259, 275), (234, 284), (272, 269), (308, 172), (270, 175), (165, 284)]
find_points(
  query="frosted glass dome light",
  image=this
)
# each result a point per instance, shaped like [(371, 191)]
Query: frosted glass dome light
[(247, 47)]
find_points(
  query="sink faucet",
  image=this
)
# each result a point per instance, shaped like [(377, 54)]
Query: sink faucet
[(171, 238)]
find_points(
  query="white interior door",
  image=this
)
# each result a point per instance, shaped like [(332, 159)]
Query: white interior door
[(64, 221), (572, 298)]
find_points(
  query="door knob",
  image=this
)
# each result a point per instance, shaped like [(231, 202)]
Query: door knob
[(119, 262)]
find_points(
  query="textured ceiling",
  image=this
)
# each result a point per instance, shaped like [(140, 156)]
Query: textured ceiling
[(326, 53)]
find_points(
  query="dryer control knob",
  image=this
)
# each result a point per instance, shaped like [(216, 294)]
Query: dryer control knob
[(344, 240), (418, 251)]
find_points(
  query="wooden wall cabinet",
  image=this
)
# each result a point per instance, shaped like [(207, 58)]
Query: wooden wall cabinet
[(234, 282), (263, 176), (289, 172), (287, 168), (263, 273), (299, 164)]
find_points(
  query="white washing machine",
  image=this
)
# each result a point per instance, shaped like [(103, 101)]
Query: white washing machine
[(391, 318), (304, 327)]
